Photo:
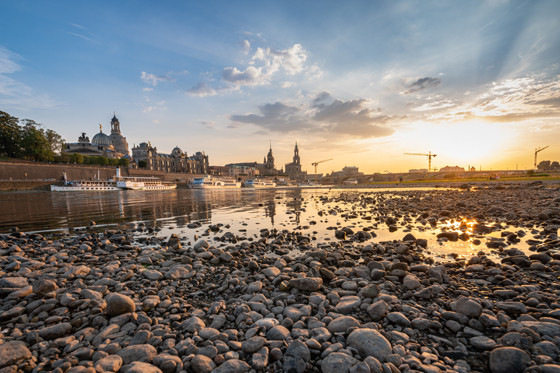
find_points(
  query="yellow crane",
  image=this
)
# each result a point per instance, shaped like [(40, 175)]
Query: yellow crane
[(429, 155), (315, 164), (537, 150)]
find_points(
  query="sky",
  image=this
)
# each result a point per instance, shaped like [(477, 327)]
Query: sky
[(358, 82)]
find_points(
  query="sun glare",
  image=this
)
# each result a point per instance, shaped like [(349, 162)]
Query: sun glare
[(469, 142)]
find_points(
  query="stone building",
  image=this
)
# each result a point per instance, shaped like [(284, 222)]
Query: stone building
[(146, 156), (293, 169), (267, 168), (110, 146)]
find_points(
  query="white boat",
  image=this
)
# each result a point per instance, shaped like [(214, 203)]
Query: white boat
[(144, 183), (118, 183), (85, 185), (210, 182), (259, 183)]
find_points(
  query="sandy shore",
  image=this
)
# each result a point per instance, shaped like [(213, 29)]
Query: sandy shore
[(129, 301)]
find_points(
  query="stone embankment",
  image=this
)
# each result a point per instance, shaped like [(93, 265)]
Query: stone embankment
[(129, 301)]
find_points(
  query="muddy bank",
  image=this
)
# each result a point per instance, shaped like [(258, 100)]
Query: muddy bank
[(132, 301)]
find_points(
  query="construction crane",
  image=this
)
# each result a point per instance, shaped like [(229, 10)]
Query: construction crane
[(537, 151), (429, 155), (317, 163)]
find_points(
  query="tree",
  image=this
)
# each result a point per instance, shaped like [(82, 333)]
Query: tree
[(543, 165), (555, 165), (9, 135), (77, 158), (34, 144), (142, 164), (124, 162), (55, 141)]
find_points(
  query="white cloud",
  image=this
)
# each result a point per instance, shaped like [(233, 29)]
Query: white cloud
[(246, 46), (251, 76), (15, 93), (153, 79), (202, 89)]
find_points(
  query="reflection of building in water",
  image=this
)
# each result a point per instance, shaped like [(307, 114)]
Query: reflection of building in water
[(146, 156), (270, 209), (295, 204), (111, 146)]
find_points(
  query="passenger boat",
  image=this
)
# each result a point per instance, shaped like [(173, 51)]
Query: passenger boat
[(118, 183), (259, 183), (209, 182)]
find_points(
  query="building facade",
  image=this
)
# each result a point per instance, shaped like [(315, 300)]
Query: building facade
[(110, 146), (146, 156)]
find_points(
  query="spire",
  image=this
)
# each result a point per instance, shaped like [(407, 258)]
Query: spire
[(100, 127)]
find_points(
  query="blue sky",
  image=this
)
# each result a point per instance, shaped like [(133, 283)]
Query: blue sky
[(362, 82)]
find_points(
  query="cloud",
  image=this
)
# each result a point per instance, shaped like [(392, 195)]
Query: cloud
[(435, 103), (15, 93), (274, 117), (323, 115), (202, 89), (421, 84), (251, 76), (246, 46), (267, 62), (207, 124), (153, 79)]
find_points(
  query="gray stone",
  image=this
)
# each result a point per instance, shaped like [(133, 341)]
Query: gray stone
[(307, 283), (13, 352), (259, 360), (142, 353), (299, 350), (168, 363), (342, 324), (378, 310), (202, 364), (468, 307), (543, 327), (56, 331), (177, 273), (508, 360), (193, 324), (411, 282), (13, 282), (201, 245), (152, 274), (348, 303), (111, 363), (369, 342), (398, 318), (253, 344), (140, 367), (45, 286), (337, 362), (233, 366), (278, 332), (483, 342), (117, 304)]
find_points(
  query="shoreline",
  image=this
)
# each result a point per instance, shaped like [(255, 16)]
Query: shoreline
[(127, 300)]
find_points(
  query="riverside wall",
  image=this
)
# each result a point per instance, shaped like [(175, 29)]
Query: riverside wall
[(22, 171)]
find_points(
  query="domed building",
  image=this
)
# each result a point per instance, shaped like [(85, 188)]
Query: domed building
[(111, 146), (146, 156)]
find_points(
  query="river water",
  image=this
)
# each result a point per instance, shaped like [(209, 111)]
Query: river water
[(243, 212)]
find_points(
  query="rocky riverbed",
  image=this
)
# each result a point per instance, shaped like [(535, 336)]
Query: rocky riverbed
[(134, 301)]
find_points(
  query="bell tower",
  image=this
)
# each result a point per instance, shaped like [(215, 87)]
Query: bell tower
[(296, 155), (115, 125)]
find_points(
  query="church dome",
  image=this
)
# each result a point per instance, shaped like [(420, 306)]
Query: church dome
[(177, 152), (101, 139)]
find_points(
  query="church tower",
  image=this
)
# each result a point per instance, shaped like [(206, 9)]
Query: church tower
[(270, 159), (119, 141), (296, 160)]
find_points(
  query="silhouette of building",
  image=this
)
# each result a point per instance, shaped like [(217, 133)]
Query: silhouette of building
[(293, 169), (267, 168)]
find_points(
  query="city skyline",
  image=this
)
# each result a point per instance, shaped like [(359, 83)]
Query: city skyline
[(362, 82)]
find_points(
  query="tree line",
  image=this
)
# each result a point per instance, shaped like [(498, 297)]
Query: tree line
[(548, 166), (27, 139)]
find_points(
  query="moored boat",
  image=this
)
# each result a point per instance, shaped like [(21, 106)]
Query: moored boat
[(118, 183), (259, 183), (209, 182)]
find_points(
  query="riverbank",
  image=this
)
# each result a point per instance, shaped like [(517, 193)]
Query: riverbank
[(132, 300)]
